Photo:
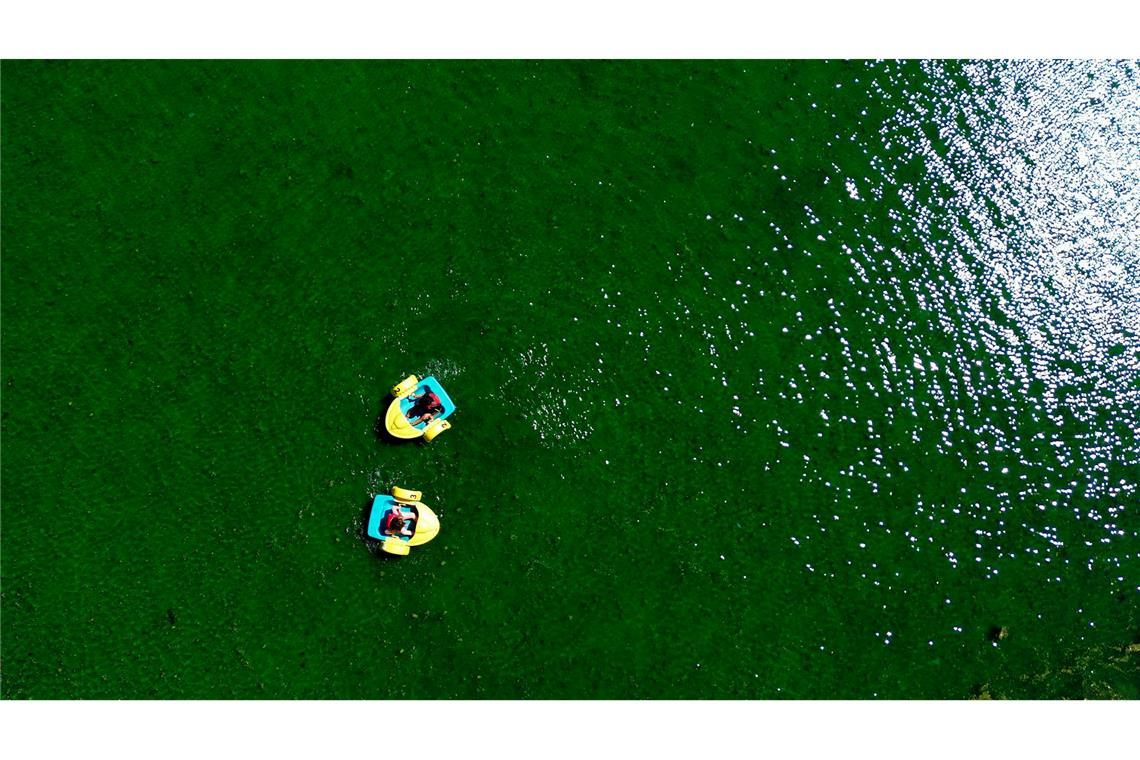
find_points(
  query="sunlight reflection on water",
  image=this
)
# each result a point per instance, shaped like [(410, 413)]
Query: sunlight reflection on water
[(1023, 245)]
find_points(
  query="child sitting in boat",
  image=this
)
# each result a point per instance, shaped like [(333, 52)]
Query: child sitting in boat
[(424, 407), (395, 523)]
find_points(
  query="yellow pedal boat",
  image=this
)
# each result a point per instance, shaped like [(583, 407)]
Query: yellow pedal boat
[(424, 523), (404, 396)]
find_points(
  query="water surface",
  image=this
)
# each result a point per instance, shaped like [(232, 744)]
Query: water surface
[(775, 379)]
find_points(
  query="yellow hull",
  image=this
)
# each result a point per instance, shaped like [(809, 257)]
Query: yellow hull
[(427, 526), (397, 423)]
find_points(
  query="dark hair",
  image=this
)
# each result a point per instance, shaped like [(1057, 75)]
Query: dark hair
[(397, 522)]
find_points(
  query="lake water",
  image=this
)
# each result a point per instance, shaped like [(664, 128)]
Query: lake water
[(775, 379)]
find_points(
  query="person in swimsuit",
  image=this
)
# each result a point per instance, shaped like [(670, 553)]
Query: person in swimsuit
[(425, 407), (396, 523)]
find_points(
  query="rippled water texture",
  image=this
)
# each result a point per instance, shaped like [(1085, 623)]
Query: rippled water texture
[(1000, 248), (775, 379)]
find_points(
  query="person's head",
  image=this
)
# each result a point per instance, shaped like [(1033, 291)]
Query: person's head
[(398, 522)]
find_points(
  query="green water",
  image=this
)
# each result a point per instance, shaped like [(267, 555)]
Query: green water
[(775, 379)]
